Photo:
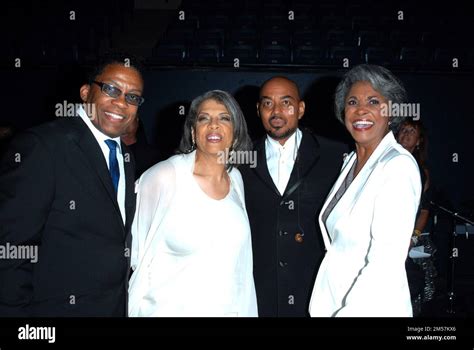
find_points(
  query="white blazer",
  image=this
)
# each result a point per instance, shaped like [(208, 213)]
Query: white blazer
[(367, 237)]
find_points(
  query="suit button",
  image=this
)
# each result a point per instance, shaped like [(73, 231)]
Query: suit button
[(282, 233), (299, 237), (283, 264)]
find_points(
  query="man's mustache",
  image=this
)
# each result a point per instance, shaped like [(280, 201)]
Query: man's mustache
[(273, 117)]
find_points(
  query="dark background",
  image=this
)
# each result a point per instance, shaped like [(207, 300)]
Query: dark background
[(183, 59)]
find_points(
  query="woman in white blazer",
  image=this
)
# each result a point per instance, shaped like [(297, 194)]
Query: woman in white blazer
[(368, 217), (191, 248)]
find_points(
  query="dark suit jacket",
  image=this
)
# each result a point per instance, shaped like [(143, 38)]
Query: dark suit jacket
[(286, 240), (145, 157), (59, 196)]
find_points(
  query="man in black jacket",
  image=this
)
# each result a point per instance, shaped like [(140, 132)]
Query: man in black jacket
[(145, 155), (67, 202), (284, 193)]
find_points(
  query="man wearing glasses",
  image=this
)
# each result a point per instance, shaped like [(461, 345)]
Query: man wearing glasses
[(67, 203)]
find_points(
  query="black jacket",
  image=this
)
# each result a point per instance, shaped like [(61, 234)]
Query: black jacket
[(60, 197), (286, 239)]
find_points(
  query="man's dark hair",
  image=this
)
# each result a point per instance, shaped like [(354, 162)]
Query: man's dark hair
[(114, 58)]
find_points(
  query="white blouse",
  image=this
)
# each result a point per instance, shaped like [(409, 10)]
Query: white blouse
[(191, 254)]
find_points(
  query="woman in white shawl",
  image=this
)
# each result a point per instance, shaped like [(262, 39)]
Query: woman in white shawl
[(191, 250)]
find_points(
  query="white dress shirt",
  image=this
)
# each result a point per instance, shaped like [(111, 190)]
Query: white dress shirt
[(191, 254), (281, 159), (100, 138)]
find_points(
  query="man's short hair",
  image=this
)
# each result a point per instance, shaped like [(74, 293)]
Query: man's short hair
[(109, 58)]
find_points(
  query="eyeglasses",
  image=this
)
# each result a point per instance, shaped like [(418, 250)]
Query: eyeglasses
[(114, 92)]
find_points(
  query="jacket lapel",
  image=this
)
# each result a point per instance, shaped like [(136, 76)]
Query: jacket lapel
[(307, 157), (92, 156), (129, 167), (262, 169), (345, 169), (350, 197)]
